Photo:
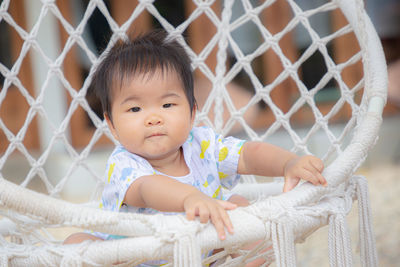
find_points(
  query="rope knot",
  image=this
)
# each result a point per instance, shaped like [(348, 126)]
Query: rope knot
[(203, 4), (290, 69), (146, 2), (167, 231), (76, 35), (30, 40), (245, 60), (12, 77), (48, 2), (37, 105), (187, 251), (54, 67), (252, 14), (269, 210), (71, 258), (121, 33)]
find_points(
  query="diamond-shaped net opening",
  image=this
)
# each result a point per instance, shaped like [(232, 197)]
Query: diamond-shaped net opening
[(7, 33), (287, 73)]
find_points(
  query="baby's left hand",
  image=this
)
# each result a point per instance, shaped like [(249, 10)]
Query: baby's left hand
[(308, 168)]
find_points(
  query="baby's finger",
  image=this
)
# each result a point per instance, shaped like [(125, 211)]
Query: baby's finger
[(313, 168), (317, 164), (218, 223), (309, 167), (204, 213), (191, 213), (322, 179), (227, 205), (226, 219), (290, 183), (308, 176)]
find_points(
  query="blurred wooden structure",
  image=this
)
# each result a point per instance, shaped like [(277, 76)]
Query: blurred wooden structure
[(14, 108)]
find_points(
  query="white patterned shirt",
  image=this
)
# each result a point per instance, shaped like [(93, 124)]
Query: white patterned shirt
[(211, 159)]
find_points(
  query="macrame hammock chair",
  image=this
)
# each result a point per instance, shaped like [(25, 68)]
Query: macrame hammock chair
[(278, 220)]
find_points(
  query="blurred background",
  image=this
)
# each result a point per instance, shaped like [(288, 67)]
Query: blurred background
[(51, 130)]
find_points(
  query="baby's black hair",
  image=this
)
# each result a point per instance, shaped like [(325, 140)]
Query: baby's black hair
[(144, 54)]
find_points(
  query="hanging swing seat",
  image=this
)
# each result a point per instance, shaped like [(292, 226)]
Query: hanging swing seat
[(278, 220)]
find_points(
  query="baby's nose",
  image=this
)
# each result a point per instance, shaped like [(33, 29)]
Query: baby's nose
[(153, 120)]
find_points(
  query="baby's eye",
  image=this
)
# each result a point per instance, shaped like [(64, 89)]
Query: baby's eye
[(135, 109), (168, 105)]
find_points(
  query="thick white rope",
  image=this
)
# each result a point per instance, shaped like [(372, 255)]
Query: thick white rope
[(207, 235), (219, 84)]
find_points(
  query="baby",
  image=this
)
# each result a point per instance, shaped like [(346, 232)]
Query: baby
[(163, 163)]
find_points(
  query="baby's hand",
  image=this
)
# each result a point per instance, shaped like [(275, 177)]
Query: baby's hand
[(206, 208), (308, 168)]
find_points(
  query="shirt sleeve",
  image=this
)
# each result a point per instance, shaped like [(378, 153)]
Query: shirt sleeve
[(227, 154), (122, 170)]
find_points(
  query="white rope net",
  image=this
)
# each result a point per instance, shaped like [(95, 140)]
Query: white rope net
[(279, 221)]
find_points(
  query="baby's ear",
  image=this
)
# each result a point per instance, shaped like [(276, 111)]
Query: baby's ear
[(193, 114), (110, 125)]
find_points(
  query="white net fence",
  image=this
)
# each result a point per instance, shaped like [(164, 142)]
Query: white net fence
[(297, 84), (218, 103)]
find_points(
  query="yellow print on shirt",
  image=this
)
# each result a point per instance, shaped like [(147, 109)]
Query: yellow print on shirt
[(223, 153), (204, 146), (240, 150), (216, 193), (110, 171), (222, 175)]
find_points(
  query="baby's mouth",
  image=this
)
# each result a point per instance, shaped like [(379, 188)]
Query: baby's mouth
[(155, 135)]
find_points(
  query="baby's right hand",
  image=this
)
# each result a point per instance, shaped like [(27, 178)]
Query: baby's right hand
[(199, 204)]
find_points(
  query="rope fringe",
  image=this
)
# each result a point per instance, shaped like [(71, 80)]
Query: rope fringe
[(283, 243), (71, 259), (187, 251), (368, 253), (339, 242), (4, 260)]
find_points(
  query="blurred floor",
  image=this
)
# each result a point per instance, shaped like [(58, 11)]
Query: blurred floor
[(384, 188)]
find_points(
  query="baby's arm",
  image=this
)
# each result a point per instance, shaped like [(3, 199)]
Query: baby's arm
[(268, 160), (239, 200), (166, 194)]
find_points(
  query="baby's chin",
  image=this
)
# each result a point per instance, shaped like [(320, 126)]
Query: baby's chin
[(160, 154)]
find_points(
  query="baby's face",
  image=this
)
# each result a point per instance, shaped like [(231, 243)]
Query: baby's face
[(151, 115)]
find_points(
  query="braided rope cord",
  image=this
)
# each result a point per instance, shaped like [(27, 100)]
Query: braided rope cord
[(279, 221)]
